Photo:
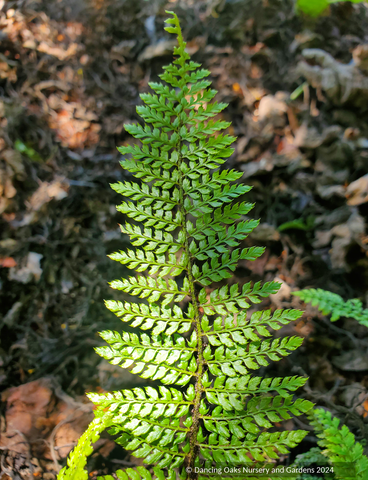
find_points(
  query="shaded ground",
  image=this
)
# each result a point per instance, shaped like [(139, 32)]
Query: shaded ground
[(70, 77)]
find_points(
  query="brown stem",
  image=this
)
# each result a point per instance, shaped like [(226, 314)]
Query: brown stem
[(193, 452)]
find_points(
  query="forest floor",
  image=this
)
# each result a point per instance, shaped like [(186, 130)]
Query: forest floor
[(70, 78)]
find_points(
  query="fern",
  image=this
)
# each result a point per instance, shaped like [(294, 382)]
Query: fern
[(309, 459), (209, 407), (338, 451), (340, 446), (77, 461), (329, 302)]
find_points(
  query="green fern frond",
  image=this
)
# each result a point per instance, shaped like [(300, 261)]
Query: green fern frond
[(139, 473), (339, 446), (186, 235), (328, 302), (76, 463), (309, 460)]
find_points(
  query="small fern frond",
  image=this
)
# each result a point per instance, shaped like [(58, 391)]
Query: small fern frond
[(328, 302), (77, 461), (339, 446), (139, 473), (308, 461)]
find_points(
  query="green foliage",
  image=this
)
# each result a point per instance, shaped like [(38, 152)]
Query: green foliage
[(186, 234), (339, 446), (314, 8), (298, 224), (139, 473), (27, 150), (328, 302), (310, 459), (298, 91), (78, 460), (338, 451)]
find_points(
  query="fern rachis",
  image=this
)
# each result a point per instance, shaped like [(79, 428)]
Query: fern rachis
[(214, 411)]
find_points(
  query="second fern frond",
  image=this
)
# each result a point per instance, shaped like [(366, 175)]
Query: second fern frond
[(328, 302)]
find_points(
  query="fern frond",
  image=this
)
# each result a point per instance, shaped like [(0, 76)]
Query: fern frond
[(313, 457), (339, 446), (188, 224), (328, 302), (140, 473), (77, 460)]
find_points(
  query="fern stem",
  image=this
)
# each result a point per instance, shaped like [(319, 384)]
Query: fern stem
[(193, 452)]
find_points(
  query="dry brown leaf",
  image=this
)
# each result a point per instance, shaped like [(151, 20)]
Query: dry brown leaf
[(7, 262), (271, 106), (282, 294), (58, 52), (9, 190), (14, 159), (357, 192), (365, 408), (32, 412), (159, 49), (265, 233), (4, 204), (57, 190), (75, 132), (7, 72)]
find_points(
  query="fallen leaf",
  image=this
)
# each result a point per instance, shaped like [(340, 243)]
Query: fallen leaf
[(265, 233), (159, 49), (352, 361), (237, 88), (33, 410), (9, 244), (7, 72), (7, 262), (4, 203), (282, 294), (263, 165), (58, 52), (9, 189), (271, 106), (56, 190), (30, 270), (74, 129), (14, 159), (357, 192), (288, 149), (365, 406), (12, 315)]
